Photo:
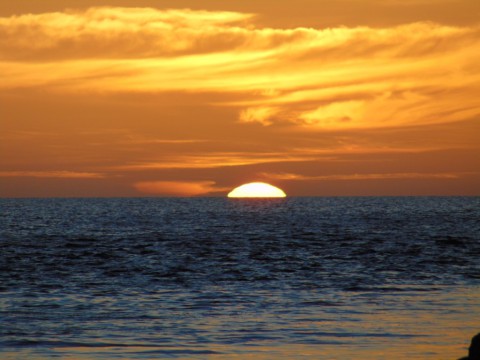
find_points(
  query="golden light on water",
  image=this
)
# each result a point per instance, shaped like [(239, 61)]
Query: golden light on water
[(257, 190)]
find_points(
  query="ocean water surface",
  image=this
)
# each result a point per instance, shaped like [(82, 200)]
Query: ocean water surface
[(217, 278)]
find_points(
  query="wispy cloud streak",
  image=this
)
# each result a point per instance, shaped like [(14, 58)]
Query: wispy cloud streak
[(213, 160), (350, 177), (53, 174), (321, 79), (178, 188)]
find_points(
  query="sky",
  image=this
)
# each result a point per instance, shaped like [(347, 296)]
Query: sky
[(320, 98)]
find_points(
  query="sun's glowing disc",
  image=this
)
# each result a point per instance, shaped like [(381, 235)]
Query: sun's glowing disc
[(256, 190)]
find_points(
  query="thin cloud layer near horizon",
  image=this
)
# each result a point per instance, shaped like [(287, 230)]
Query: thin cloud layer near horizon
[(127, 99)]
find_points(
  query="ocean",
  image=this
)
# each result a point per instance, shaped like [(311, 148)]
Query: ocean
[(217, 278)]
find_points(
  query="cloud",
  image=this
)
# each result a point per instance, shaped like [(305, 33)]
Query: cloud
[(315, 79), (349, 177), (407, 2), (259, 114), (214, 160), (115, 33), (53, 174), (178, 188)]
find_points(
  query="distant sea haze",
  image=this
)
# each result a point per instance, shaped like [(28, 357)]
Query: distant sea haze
[(217, 278)]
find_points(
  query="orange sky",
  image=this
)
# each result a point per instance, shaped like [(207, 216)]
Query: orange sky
[(136, 98)]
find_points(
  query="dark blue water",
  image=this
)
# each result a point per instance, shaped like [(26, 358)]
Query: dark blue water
[(230, 278)]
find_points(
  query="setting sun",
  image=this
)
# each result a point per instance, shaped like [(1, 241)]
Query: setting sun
[(256, 190)]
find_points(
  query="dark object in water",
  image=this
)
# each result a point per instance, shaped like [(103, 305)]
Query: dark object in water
[(474, 349)]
